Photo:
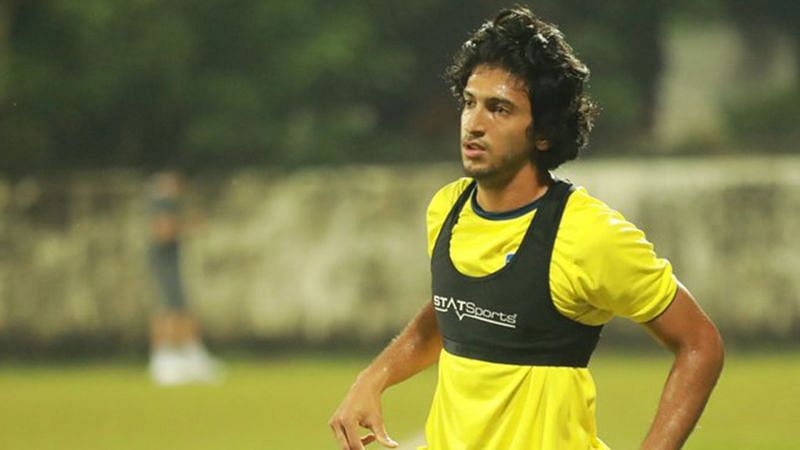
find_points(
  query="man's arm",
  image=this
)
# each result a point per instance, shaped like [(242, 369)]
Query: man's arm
[(414, 349), (685, 330)]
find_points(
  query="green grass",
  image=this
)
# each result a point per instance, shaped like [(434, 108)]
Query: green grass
[(285, 403), (754, 406)]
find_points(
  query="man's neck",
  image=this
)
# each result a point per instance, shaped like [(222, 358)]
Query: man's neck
[(526, 186)]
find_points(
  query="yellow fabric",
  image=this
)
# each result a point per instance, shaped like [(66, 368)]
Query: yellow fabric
[(479, 406), (601, 266)]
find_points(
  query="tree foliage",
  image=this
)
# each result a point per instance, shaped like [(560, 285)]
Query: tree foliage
[(213, 83)]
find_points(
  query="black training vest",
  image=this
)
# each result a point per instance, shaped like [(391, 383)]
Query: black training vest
[(508, 316)]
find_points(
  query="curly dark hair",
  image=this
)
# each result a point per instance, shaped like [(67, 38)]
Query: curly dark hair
[(534, 51)]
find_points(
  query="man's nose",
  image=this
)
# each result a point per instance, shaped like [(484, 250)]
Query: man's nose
[(474, 122)]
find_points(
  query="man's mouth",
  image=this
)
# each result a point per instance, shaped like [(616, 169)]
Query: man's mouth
[(473, 149)]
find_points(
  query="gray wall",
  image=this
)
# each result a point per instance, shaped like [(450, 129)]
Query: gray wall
[(325, 254)]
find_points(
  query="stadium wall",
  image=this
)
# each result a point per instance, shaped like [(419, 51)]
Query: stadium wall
[(319, 256)]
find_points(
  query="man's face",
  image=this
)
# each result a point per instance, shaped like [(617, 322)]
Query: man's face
[(494, 125)]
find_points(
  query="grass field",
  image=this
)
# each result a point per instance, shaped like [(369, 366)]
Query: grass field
[(285, 403)]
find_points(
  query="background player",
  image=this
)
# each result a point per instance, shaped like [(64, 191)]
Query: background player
[(177, 351)]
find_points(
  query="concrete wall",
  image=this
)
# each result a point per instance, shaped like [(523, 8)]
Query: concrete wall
[(324, 254), (731, 228)]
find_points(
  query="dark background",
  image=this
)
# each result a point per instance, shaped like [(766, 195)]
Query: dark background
[(215, 84)]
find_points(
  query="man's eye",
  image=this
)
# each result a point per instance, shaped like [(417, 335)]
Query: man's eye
[(469, 103)]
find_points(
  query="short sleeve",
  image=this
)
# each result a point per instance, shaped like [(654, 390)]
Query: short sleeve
[(621, 272), (613, 269)]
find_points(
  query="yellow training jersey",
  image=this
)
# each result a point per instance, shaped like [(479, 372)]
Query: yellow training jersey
[(602, 266)]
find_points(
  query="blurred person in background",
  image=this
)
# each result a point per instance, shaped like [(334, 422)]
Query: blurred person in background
[(177, 352), (526, 269)]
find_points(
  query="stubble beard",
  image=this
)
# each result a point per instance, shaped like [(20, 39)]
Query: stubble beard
[(478, 173), (495, 174), (481, 169)]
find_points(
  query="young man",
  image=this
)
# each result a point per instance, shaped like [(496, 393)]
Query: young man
[(178, 355), (526, 269)]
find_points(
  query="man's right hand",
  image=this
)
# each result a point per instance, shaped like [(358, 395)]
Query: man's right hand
[(414, 349), (360, 408)]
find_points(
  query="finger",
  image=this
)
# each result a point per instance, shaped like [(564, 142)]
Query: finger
[(381, 436), (368, 439), (353, 440), (340, 436)]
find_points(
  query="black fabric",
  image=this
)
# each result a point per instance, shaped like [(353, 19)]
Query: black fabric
[(508, 316), (165, 264)]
